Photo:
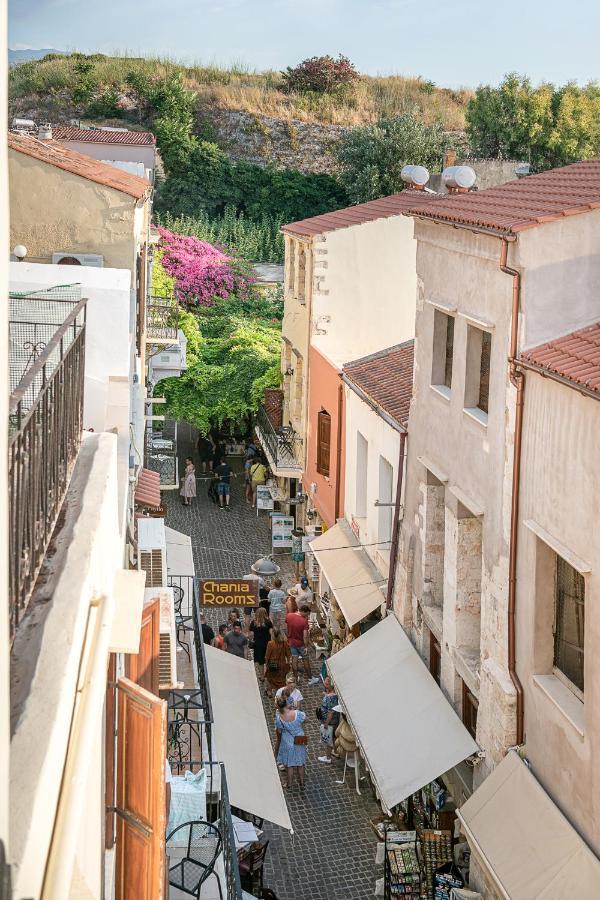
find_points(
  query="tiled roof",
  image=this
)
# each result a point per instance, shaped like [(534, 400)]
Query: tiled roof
[(147, 491), (100, 136), (520, 204), (575, 356), (394, 205), (387, 378), (55, 154)]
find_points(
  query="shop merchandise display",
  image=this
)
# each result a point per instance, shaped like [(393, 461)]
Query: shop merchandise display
[(436, 848)]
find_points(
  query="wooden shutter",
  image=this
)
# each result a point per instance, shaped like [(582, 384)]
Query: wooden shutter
[(141, 805), (151, 562), (323, 442), (144, 667)]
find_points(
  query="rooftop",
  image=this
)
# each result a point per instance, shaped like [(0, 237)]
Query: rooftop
[(384, 208), (386, 378), (103, 136), (517, 205), (54, 154), (574, 357)]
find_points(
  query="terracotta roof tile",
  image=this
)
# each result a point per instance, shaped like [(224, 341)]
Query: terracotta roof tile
[(394, 205), (147, 491), (387, 378), (575, 357), (520, 204), (100, 136), (55, 154)]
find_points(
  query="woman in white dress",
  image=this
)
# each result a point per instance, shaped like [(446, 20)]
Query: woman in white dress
[(188, 488)]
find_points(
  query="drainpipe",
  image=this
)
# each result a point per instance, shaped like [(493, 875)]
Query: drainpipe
[(517, 378), (396, 529), (338, 460)]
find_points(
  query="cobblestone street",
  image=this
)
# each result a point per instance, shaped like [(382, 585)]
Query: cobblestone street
[(331, 855)]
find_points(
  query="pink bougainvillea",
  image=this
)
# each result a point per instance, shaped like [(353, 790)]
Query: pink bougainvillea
[(202, 272)]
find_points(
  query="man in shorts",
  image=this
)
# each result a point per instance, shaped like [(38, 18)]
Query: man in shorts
[(223, 472), (297, 629)]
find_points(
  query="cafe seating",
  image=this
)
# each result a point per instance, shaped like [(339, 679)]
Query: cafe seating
[(251, 863), (190, 872)]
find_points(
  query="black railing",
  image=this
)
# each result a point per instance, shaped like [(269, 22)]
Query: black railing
[(283, 445), (162, 320), (230, 857), (45, 424)]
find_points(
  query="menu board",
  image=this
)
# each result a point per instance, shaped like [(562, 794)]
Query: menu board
[(281, 531)]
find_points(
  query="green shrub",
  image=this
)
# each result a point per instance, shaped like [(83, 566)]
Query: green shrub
[(320, 75), (258, 241)]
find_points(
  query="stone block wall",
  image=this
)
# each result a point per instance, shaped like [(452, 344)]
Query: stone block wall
[(432, 536)]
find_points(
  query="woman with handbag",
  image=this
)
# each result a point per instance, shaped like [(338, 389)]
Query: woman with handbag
[(292, 741), (277, 662), (329, 718)]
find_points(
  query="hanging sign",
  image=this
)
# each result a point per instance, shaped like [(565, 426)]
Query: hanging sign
[(215, 592)]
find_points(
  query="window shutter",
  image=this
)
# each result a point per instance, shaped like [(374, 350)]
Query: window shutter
[(144, 667), (323, 442), (141, 804), (151, 562), (109, 751)]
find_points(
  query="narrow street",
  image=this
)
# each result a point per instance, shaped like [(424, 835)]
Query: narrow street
[(331, 855)]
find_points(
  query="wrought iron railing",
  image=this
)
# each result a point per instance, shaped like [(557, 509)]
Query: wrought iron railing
[(162, 320), (283, 445), (45, 424), (230, 857)]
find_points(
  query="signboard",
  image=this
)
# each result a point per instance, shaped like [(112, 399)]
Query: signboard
[(220, 592), (263, 498), (281, 531)]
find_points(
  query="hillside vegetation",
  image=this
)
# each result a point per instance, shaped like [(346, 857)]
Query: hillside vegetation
[(243, 89)]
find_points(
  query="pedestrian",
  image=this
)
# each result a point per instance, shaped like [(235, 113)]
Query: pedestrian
[(258, 475), (277, 662), (302, 593), (233, 616), (248, 463), (188, 488), (223, 472), (276, 599), (220, 638), (257, 580), (291, 742), (291, 693), (329, 719), (208, 635), (290, 604), (260, 630), (206, 452), (247, 612), (236, 642), (297, 629)]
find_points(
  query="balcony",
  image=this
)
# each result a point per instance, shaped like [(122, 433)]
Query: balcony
[(162, 321), (282, 446), (46, 364)]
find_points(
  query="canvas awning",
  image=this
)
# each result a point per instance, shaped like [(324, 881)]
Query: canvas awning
[(530, 849), (352, 578), (128, 589), (407, 731), (180, 559), (147, 490), (242, 740)]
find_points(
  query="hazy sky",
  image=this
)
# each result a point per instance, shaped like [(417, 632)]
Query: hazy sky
[(452, 43)]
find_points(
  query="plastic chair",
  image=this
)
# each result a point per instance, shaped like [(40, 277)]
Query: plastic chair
[(203, 849)]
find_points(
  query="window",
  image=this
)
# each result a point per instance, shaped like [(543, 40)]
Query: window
[(470, 705), (569, 598), (362, 466), (323, 442), (386, 489), (435, 657), (477, 378), (301, 293), (443, 349)]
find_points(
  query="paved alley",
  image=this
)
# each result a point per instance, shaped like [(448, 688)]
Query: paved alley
[(331, 856)]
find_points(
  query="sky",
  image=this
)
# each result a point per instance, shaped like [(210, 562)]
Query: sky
[(453, 44)]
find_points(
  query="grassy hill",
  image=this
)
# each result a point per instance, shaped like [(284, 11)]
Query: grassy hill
[(47, 83)]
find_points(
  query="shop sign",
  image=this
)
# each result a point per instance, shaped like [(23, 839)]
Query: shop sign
[(216, 592), (264, 499), (281, 531)]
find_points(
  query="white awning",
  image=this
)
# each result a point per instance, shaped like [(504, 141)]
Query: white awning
[(407, 731), (352, 578), (531, 850), (129, 587), (242, 739), (180, 559)]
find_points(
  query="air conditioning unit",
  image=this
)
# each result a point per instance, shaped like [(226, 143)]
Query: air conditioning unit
[(167, 662), (77, 259), (152, 551)]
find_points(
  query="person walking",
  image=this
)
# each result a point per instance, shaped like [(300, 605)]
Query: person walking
[(297, 629), (302, 593), (223, 472), (291, 693), (258, 475), (206, 452), (329, 718), (276, 600), (236, 641), (291, 742), (220, 638), (188, 488), (277, 662), (260, 631)]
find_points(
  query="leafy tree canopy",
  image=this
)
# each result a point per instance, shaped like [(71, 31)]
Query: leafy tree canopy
[(371, 157)]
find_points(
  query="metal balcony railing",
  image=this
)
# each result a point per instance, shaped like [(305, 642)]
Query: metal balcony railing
[(45, 424), (282, 445), (162, 321)]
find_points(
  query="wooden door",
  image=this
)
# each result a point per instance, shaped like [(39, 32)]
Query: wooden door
[(110, 711), (141, 804), (143, 667)]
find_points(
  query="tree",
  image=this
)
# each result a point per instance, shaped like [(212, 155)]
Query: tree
[(321, 75), (371, 157)]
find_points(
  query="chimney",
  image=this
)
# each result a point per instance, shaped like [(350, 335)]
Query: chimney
[(44, 132), (449, 158)]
